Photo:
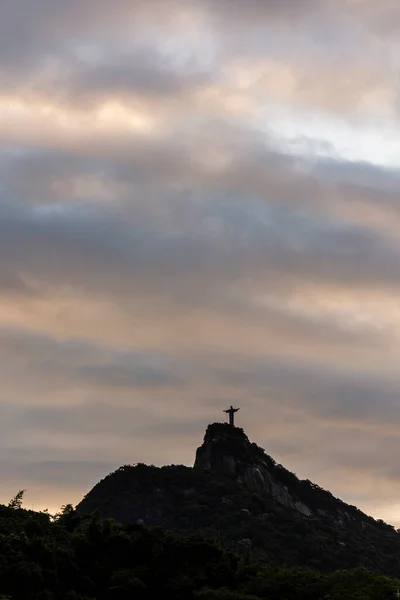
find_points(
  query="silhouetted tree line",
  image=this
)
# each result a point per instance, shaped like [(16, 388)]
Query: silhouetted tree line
[(72, 556)]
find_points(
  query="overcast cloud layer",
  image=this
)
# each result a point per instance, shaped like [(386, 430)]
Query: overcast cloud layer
[(199, 206)]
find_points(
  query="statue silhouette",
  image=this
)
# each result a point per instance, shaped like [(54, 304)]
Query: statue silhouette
[(231, 412)]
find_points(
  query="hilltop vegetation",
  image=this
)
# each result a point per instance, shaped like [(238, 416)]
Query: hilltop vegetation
[(75, 557)]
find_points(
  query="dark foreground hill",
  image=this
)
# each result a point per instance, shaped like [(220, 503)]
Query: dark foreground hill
[(235, 491), (72, 557)]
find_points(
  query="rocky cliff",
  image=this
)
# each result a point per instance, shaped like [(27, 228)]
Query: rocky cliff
[(227, 451)]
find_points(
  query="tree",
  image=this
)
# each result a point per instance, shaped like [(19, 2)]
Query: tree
[(16, 502)]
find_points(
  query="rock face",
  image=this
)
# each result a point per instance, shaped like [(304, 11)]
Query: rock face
[(227, 451)]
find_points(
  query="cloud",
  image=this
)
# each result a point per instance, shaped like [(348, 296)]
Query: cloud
[(171, 55), (198, 206), (234, 239)]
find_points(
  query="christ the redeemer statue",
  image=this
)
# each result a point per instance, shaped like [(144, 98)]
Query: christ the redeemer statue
[(231, 412)]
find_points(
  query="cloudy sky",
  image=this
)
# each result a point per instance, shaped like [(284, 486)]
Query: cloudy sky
[(199, 206)]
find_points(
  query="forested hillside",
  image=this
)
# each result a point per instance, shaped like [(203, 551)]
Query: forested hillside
[(72, 557)]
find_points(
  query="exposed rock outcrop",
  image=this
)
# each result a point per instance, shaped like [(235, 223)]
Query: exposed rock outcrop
[(227, 451)]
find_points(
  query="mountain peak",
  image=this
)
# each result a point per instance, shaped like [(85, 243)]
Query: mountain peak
[(223, 434), (226, 450)]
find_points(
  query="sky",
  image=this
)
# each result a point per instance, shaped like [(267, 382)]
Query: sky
[(199, 206)]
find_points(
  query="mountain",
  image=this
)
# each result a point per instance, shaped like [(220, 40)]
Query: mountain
[(239, 493), (227, 451)]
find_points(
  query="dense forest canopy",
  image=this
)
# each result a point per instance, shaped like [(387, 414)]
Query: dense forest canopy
[(70, 556)]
